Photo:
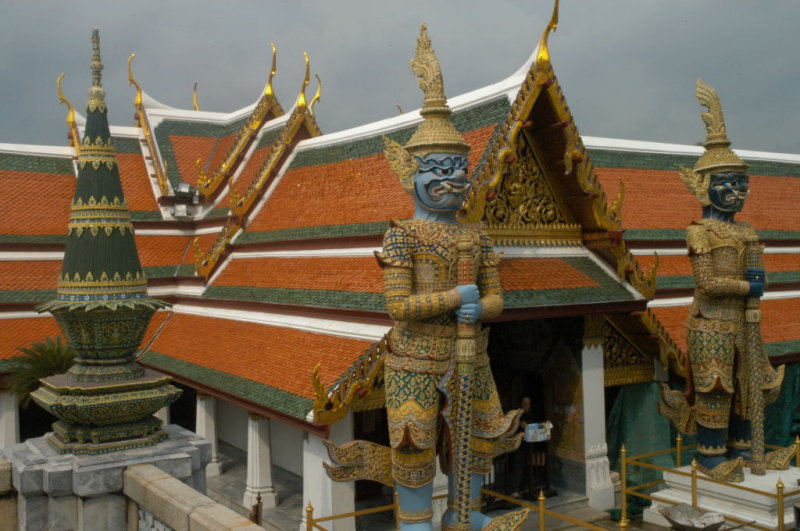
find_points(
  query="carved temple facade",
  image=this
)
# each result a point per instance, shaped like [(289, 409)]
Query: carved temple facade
[(259, 230)]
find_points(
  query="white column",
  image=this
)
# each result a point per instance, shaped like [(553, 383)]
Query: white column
[(328, 497), (206, 426), (599, 487), (9, 419), (259, 465), (163, 415)]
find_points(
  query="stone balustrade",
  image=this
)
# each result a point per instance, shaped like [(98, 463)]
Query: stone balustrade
[(158, 500)]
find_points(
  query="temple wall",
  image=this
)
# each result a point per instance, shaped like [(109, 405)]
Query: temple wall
[(287, 447), (232, 424)]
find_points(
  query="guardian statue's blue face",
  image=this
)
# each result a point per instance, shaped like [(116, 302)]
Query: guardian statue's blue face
[(728, 190), (441, 182)]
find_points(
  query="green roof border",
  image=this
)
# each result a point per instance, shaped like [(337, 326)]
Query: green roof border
[(605, 158), (36, 163), (262, 394), (483, 114)]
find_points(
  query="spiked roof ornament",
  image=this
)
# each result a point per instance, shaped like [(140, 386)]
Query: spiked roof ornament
[(101, 266)]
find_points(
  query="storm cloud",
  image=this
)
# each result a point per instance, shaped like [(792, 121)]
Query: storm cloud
[(627, 68)]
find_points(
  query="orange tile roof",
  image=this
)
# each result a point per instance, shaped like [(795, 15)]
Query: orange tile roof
[(679, 265), (29, 274), (351, 191), (541, 273), (220, 151), (21, 332), (136, 182), (159, 250), (361, 274), (187, 150), (250, 171), (778, 320), (658, 199), (282, 358), (35, 203)]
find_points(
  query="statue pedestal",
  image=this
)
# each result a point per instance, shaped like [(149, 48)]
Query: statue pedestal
[(728, 500), (85, 492)]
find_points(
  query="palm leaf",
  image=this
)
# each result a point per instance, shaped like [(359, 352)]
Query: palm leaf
[(39, 360)]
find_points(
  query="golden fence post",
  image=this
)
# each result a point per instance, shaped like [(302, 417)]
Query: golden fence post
[(623, 479), (542, 523), (694, 483), (679, 450), (396, 510), (780, 504), (309, 517), (797, 450)]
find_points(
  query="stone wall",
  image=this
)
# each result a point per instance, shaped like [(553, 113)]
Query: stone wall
[(8, 497)]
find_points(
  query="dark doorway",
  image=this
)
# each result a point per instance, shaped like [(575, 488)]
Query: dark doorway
[(183, 411)]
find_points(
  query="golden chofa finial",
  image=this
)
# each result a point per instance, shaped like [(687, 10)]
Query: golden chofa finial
[(63, 100), (194, 97), (268, 91), (301, 99), (137, 101), (96, 92), (71, 123), (543, 54), (317, 94)]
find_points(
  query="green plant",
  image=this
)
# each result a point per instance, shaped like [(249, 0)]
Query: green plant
[(40, 360)]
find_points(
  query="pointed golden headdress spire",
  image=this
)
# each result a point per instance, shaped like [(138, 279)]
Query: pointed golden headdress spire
[(718, 155), (436, 133), (97, 96)]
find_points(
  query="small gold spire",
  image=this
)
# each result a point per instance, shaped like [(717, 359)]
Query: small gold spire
[(96, 92), (137, 101), (301, 99), (543, 54), (71, 123), (317, 94), (194, 98), (268, 91)]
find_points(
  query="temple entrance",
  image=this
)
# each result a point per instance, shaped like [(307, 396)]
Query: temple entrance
[(541, 360)]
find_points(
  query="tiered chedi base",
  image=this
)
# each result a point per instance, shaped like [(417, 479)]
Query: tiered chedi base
[(730, 501), (106, 401), (105, 416)]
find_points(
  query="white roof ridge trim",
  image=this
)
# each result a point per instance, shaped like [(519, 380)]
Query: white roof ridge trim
[(509, 87), (317, 325), (643, 146), (38, 150)]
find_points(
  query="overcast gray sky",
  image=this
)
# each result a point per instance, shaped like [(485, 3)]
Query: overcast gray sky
[(627, 67)]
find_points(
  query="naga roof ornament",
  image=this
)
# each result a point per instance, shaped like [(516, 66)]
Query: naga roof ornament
[(74, 136), (718, 155), (268, 90)]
